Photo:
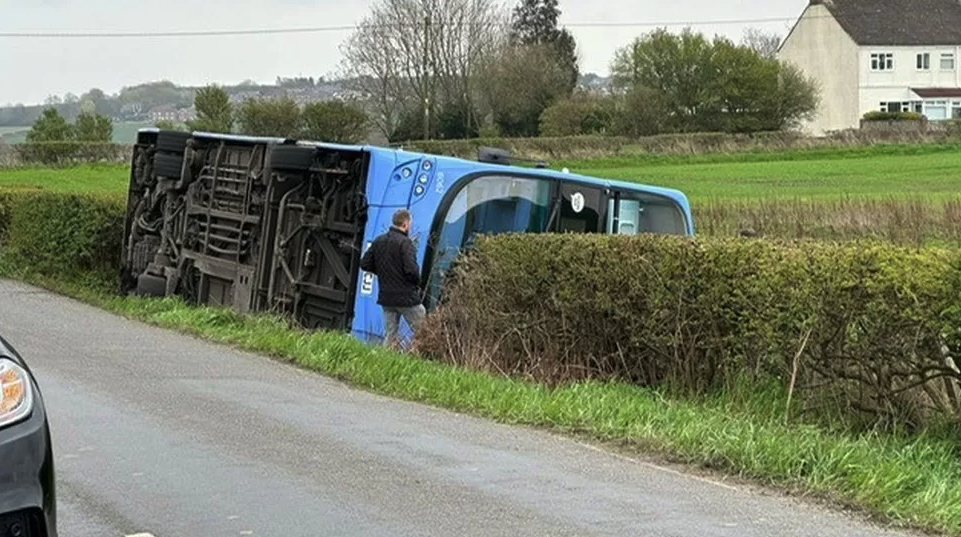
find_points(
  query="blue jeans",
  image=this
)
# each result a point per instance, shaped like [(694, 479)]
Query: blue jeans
[(414, 315)]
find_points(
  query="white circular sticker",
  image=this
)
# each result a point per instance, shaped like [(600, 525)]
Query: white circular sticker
[(577, 202)]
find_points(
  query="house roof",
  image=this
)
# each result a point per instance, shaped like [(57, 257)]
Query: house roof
[(897, 23), (933, 93)]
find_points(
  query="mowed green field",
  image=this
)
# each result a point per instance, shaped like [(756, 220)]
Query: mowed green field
[(87, 178), (931, 172)]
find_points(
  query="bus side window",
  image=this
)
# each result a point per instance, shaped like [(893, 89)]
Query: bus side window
[(643, 213), (628, 217)]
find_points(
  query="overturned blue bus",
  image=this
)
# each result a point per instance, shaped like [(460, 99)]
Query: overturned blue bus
[(277, 225)]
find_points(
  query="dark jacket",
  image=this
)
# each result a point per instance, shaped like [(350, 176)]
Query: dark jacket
[(393, 259)]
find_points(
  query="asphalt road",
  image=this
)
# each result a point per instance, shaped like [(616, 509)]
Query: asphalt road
[(163, 434)]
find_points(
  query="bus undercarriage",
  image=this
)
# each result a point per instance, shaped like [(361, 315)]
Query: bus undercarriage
[(253, 224)]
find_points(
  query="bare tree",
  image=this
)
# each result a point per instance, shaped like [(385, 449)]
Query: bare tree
[(420, 54), (372, 70), (766, 44)]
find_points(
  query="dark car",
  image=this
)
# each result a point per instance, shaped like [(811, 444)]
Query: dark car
[(28, 502)]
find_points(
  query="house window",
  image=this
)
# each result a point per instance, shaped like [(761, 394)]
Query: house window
[(893, 106), (882, 61), (936, 110), (924, 61), (947, 62)]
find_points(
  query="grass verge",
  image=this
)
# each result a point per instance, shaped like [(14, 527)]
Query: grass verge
[(905, 481)]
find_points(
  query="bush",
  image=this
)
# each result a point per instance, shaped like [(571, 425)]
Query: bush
[(335, 121), (877, 115), (856, 329), (71, 237), (577, 116), (69, 153), (596, 146)]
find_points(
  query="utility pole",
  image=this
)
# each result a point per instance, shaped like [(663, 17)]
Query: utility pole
[(426, 74)]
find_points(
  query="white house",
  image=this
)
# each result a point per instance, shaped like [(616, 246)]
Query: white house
[(887, 55)]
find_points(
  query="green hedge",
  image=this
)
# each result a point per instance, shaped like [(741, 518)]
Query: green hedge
[(877, 115), (68, 236), (856, 329), (855, 325), (544, 148), (57, 154), (596, 146)]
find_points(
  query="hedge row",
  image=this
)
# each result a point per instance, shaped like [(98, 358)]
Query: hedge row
[(583, 147), (68, 236), (862, 332), (62, 153), (545, 148)]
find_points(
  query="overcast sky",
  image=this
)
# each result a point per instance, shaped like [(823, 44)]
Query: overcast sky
[(33, 68)]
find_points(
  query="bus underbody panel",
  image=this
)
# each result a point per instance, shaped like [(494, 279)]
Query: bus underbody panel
[(252, 224)]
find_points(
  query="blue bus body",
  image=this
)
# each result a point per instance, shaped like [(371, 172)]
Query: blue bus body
[(450, 199), (429, 185)]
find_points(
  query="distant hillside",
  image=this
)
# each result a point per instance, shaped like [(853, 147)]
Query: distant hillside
[(155, 101)]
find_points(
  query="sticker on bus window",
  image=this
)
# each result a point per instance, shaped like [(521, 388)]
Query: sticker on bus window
[(577, 202)]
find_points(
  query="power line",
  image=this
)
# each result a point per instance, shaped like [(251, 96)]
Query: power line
[(325, 29)]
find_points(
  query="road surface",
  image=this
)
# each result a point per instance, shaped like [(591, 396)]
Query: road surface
[(163, 434)]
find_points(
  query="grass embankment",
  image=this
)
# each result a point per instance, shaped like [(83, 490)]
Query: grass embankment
[(739, 430), (905, 481)]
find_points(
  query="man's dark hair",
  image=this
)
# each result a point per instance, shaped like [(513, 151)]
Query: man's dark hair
[(401, 217)]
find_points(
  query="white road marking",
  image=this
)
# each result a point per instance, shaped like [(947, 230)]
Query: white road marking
[(141, 535), (658, 467)]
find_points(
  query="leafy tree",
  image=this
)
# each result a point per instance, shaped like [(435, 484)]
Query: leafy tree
[(50, 127), (457, 120), (101, 103), (93, 127), (714, 85), (167, 125), (641, 112), (270, 117), (678, 66), (214, 111), (578, 115), (519, 84), (535, 22), (51, 140), (335, 121)]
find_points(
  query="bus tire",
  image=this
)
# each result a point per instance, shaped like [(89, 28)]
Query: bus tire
[(172, 142), (149, 285)]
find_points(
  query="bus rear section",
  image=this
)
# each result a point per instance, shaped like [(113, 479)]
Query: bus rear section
[(250, 223)]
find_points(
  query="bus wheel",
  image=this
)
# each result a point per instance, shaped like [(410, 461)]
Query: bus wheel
[(172, 142)]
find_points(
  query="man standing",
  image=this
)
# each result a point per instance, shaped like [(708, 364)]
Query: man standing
[(393, 259)]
